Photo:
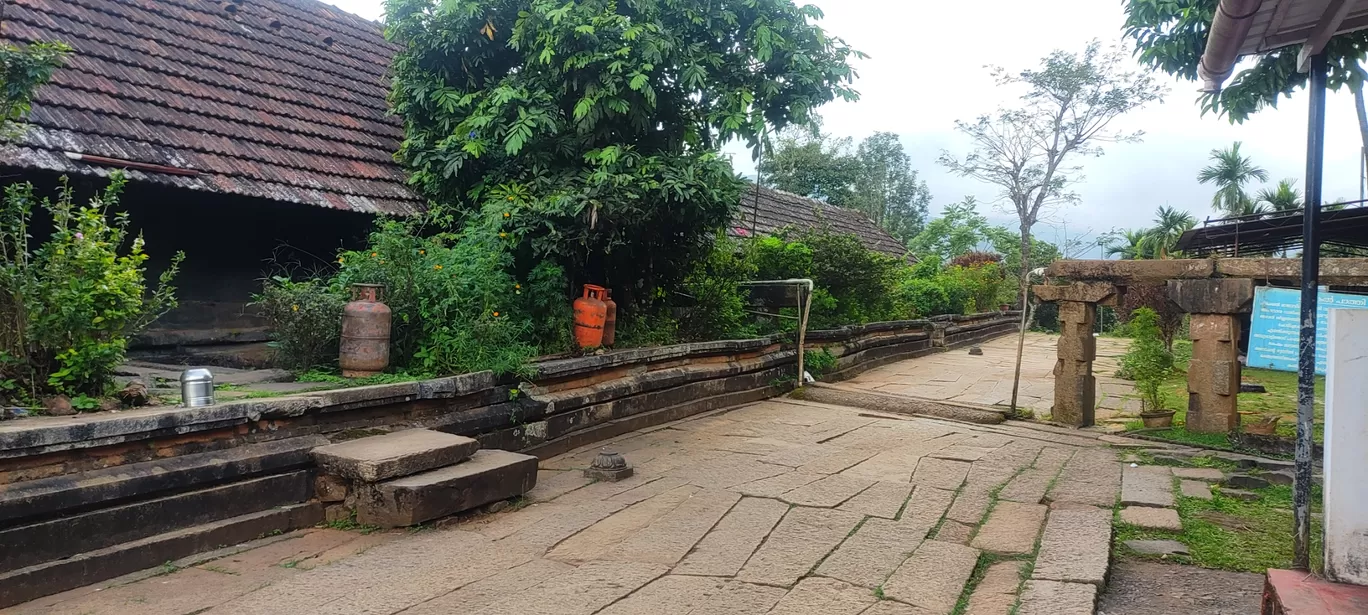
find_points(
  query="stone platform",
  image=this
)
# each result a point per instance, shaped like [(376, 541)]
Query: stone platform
[(782, 506), (1293, 592)]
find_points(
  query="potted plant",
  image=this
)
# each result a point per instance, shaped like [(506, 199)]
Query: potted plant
[(1149, 363)]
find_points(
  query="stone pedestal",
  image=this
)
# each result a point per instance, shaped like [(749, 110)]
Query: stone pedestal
[(1346, 451), (1075, 393), (1214, 374), (1213, 379)]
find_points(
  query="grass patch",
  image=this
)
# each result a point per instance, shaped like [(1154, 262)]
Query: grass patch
[(349, 524), (1231, 534)]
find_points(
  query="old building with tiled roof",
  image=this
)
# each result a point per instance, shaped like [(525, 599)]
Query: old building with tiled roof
[(765, 211), (256, 137)]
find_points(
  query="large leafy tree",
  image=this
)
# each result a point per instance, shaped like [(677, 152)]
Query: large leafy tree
[(1029, 151), (805, 161), (1285, 197), (588, 130), (959, 229), (1231, 172), (887, 189), (1170, 35)]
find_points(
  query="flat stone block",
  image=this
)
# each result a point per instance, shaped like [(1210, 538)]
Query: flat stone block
[(868, 557), (486, 477), (1157, 547), (1152, 518), (954, 531), (1239, 494), (726, 548), (1147, 486), (1076, 546), (1053, 598), (402, 453), (1011, 528), (1207, 474), (801, 539), (818, 596), (1245, 481), (611, 476), (934, 577), (996, 593), (1195, 489)]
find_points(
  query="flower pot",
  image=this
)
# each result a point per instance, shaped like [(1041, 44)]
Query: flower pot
[(1158, 419)]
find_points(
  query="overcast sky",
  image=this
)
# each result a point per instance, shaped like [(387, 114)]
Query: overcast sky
[(926, 70)]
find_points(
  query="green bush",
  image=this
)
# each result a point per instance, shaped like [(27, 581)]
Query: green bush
[(1147, 362), (305, 318), (718, 302), (70, 306), (456, 306)]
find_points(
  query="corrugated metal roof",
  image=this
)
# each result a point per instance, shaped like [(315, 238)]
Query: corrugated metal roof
[(276, 99), (764, 211)]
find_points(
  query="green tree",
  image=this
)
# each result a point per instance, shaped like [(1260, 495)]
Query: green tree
[(1169, 225), (22, 71), (1171, 35), (959, 229), (887, 189), (1128, 244), (1231, 172), (588, 130), (808, 162), (1285, 197), (1066, 113)]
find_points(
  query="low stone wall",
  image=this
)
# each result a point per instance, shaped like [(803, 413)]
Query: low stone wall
[(159, 465)]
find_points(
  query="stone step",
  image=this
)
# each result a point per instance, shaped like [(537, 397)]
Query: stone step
[(48, 540), (897, 404), (84, 569), (488, 476), (402, 453), (1147, 486), (70, 493)]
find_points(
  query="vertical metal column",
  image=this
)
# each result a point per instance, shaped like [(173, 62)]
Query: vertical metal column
[(1306, 359)]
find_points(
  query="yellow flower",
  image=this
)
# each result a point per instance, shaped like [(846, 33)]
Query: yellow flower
[(374, 254), (505, 214), (517, 286), (496, 314), (382, 261), (422, 252), (510, 197), (340, 260), (437, 267), (503, 235), (295, 307)]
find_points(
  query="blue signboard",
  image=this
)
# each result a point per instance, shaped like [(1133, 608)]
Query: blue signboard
[(1275, 328)]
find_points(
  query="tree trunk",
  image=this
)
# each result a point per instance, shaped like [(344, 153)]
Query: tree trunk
[(1024, 279), (1024, 276)]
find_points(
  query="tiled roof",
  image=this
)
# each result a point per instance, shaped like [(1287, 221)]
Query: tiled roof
[(765, 210), (277, 99)]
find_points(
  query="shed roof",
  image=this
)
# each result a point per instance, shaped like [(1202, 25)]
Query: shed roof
[(766, 210), (278, 99)]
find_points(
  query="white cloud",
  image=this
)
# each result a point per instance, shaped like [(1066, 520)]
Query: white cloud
[(926, 70)]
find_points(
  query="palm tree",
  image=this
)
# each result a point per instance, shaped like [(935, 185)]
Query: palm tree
[(1230, 171), (1169, 225), (1285, 197), (1250, 208), (1129, 244)]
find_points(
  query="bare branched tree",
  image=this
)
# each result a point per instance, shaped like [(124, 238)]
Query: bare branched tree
[(1065, 114)]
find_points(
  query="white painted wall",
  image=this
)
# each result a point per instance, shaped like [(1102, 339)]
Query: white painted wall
[(1346, 448)]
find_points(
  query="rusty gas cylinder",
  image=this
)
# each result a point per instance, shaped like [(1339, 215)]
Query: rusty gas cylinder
[(590, 314), (610, 321), (365, 333)]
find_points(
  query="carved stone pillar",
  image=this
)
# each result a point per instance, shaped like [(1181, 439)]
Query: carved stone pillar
[(1075, 394), (1213, 378)]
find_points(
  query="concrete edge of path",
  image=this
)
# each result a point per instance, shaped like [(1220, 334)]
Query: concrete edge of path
[(897, 404)]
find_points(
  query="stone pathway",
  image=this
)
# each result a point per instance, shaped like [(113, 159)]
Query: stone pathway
[(987, 379), (776, 507)]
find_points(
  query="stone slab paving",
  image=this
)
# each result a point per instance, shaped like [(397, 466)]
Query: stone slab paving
[(1054, 598), (1152, 518), (1076, 546), (1147, 486), (776, 506), (1011, 528), (934, 577), (996, 593), (1195, 489), (1206, 474)]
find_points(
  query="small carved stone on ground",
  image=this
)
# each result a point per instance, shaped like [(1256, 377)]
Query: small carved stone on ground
[(1157, 547), (58, 405), (975, 350), (330, 488), (1250, 387), (608, 466), (1245, 481), (135, 393), (1239, 494)]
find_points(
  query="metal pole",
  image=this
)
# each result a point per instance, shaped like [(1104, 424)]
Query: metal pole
[(1021, 339), (1306, 359)]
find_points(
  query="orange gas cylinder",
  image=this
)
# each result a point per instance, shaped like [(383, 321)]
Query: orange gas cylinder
[(590, 315), (365, 333), (610, 323)]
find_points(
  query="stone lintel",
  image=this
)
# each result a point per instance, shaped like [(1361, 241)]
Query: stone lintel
[(1084, 292), (1132, 271), (1338, 271), (1220, 296)]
